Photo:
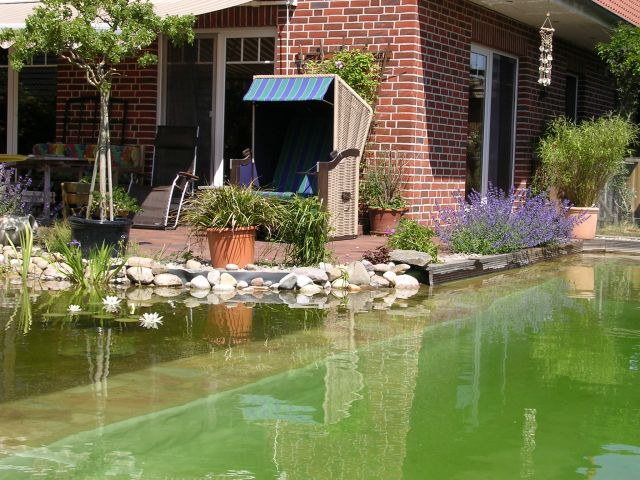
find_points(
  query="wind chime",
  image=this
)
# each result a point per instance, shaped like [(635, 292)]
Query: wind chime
[(546, 49)]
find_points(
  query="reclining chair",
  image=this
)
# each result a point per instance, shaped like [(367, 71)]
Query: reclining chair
[(172, 177)]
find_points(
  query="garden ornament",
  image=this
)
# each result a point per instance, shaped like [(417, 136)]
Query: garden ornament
[(12, 226)]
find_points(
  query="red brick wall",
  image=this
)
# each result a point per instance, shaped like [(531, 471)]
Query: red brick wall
[(422, 111)]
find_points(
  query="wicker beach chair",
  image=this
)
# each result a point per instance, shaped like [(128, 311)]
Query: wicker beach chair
[(308, 135)]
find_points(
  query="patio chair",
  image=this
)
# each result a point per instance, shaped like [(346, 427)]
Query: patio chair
[(172, 177), (308, 134)]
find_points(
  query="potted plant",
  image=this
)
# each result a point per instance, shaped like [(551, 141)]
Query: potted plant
[(97, 37), (124, 205), (13, 217), (381, 191), (579, 160), (228, 216)]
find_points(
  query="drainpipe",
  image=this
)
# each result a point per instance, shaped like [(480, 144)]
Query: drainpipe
[(289, 4)]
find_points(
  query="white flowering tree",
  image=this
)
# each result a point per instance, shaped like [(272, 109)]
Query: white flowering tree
[(96, 36)]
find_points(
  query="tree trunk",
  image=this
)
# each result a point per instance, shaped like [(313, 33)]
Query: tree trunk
[(106, 189)]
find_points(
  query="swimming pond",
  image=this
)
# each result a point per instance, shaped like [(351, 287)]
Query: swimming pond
[(531, 373)]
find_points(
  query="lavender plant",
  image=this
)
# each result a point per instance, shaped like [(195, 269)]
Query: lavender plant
[(11, 189), (501, 223)]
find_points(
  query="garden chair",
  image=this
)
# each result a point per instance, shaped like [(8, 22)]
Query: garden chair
[(299, 123), (172, 177)]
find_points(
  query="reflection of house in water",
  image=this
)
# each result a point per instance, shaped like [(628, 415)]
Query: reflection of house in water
[(367, 417), (228, 325)]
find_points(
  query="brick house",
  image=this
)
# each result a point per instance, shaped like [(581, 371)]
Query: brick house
[(460, 98)]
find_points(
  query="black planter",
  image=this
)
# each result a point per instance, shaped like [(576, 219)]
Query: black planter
[(92, 234)]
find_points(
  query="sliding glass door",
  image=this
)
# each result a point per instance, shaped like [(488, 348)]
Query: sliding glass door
[(491, 120)]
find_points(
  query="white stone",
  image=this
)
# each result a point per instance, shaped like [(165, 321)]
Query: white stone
[(288, 282), (406, 282), (40, 262), (275, 286), (140, 262), (358, 274), (353, 287), (334, 273), (257, 282), (167, 280), (140, 275), (310, 289), (200, 283), (227, 280), (250, 267), (2, 259), (224, 287), (200, 292), (192, 265), (378, 281), (317, 275), (303, 280), (232, 267), (412, 257), (368, 265), (400, 268), (390, 277), (242, 284), (340, 284), (381, 267), (213, 277)]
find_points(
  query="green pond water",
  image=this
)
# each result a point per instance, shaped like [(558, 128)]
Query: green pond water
[(529, 374)]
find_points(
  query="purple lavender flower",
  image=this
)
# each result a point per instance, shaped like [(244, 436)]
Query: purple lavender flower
[(11, 188), (339, 64), (74, 243), (500, 222)]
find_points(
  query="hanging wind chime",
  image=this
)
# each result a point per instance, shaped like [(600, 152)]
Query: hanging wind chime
[(546, 49)]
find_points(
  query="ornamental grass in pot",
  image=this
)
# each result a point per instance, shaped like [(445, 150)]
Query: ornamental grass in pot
[(579, 160), (381, 191), (228, 216)]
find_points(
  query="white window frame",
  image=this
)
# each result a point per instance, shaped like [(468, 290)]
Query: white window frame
[(220, 36), (486, 127)]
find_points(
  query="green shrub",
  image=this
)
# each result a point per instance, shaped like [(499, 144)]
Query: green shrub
[(358, 68), (304, 227), (55, 237), (579, 160), (410, 235)]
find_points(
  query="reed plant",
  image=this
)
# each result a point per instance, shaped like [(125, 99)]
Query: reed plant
[(26, 244)]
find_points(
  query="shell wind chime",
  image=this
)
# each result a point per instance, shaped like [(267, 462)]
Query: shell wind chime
[(546, 49)]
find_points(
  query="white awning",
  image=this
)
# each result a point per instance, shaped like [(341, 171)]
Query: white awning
[(14, 12)]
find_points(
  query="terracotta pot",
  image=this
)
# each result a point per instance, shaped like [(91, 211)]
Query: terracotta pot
[(231, 246), (585, 230), (384, 221)]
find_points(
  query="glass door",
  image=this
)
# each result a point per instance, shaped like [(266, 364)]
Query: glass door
[(189, 95), (491, 127)]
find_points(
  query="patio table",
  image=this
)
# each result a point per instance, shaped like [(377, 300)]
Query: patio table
[(45, 163)]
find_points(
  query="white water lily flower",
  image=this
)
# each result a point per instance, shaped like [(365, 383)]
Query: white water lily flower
[(150, 320), (74, 309), (111, 303)]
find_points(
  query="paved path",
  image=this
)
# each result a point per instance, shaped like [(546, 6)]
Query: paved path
[(171, 243)]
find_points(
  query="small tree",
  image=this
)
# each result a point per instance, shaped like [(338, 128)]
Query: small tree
[(96, 36), (622, 56)]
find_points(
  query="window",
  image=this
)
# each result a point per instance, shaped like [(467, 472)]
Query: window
[(491, 120), (571, 98)]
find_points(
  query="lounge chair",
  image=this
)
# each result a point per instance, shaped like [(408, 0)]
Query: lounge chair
[(172, 177)]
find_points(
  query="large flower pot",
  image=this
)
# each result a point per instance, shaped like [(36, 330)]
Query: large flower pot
[(586, 229), (92, 234), (384, 221), (235, 246)]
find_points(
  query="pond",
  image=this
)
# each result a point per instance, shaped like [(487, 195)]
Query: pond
[(532, 373)]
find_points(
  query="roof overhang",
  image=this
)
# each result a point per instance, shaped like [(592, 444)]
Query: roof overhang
[(581, 22), (14, 12)]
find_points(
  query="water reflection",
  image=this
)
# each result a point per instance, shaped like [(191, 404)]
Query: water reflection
[(517, 375)]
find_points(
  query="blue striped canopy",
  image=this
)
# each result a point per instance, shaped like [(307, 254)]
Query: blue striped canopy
[(288, 89)]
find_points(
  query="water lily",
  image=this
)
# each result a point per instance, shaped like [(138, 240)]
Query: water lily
[(150, 320), (74, 309), (111, 303)]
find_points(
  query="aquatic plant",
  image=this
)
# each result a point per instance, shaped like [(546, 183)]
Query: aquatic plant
[(101, 267), (501, 223), (73, 309), (111, 303), (150, 320), (26, 242)]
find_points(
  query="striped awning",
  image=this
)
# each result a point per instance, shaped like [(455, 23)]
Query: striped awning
[(288, 89)]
